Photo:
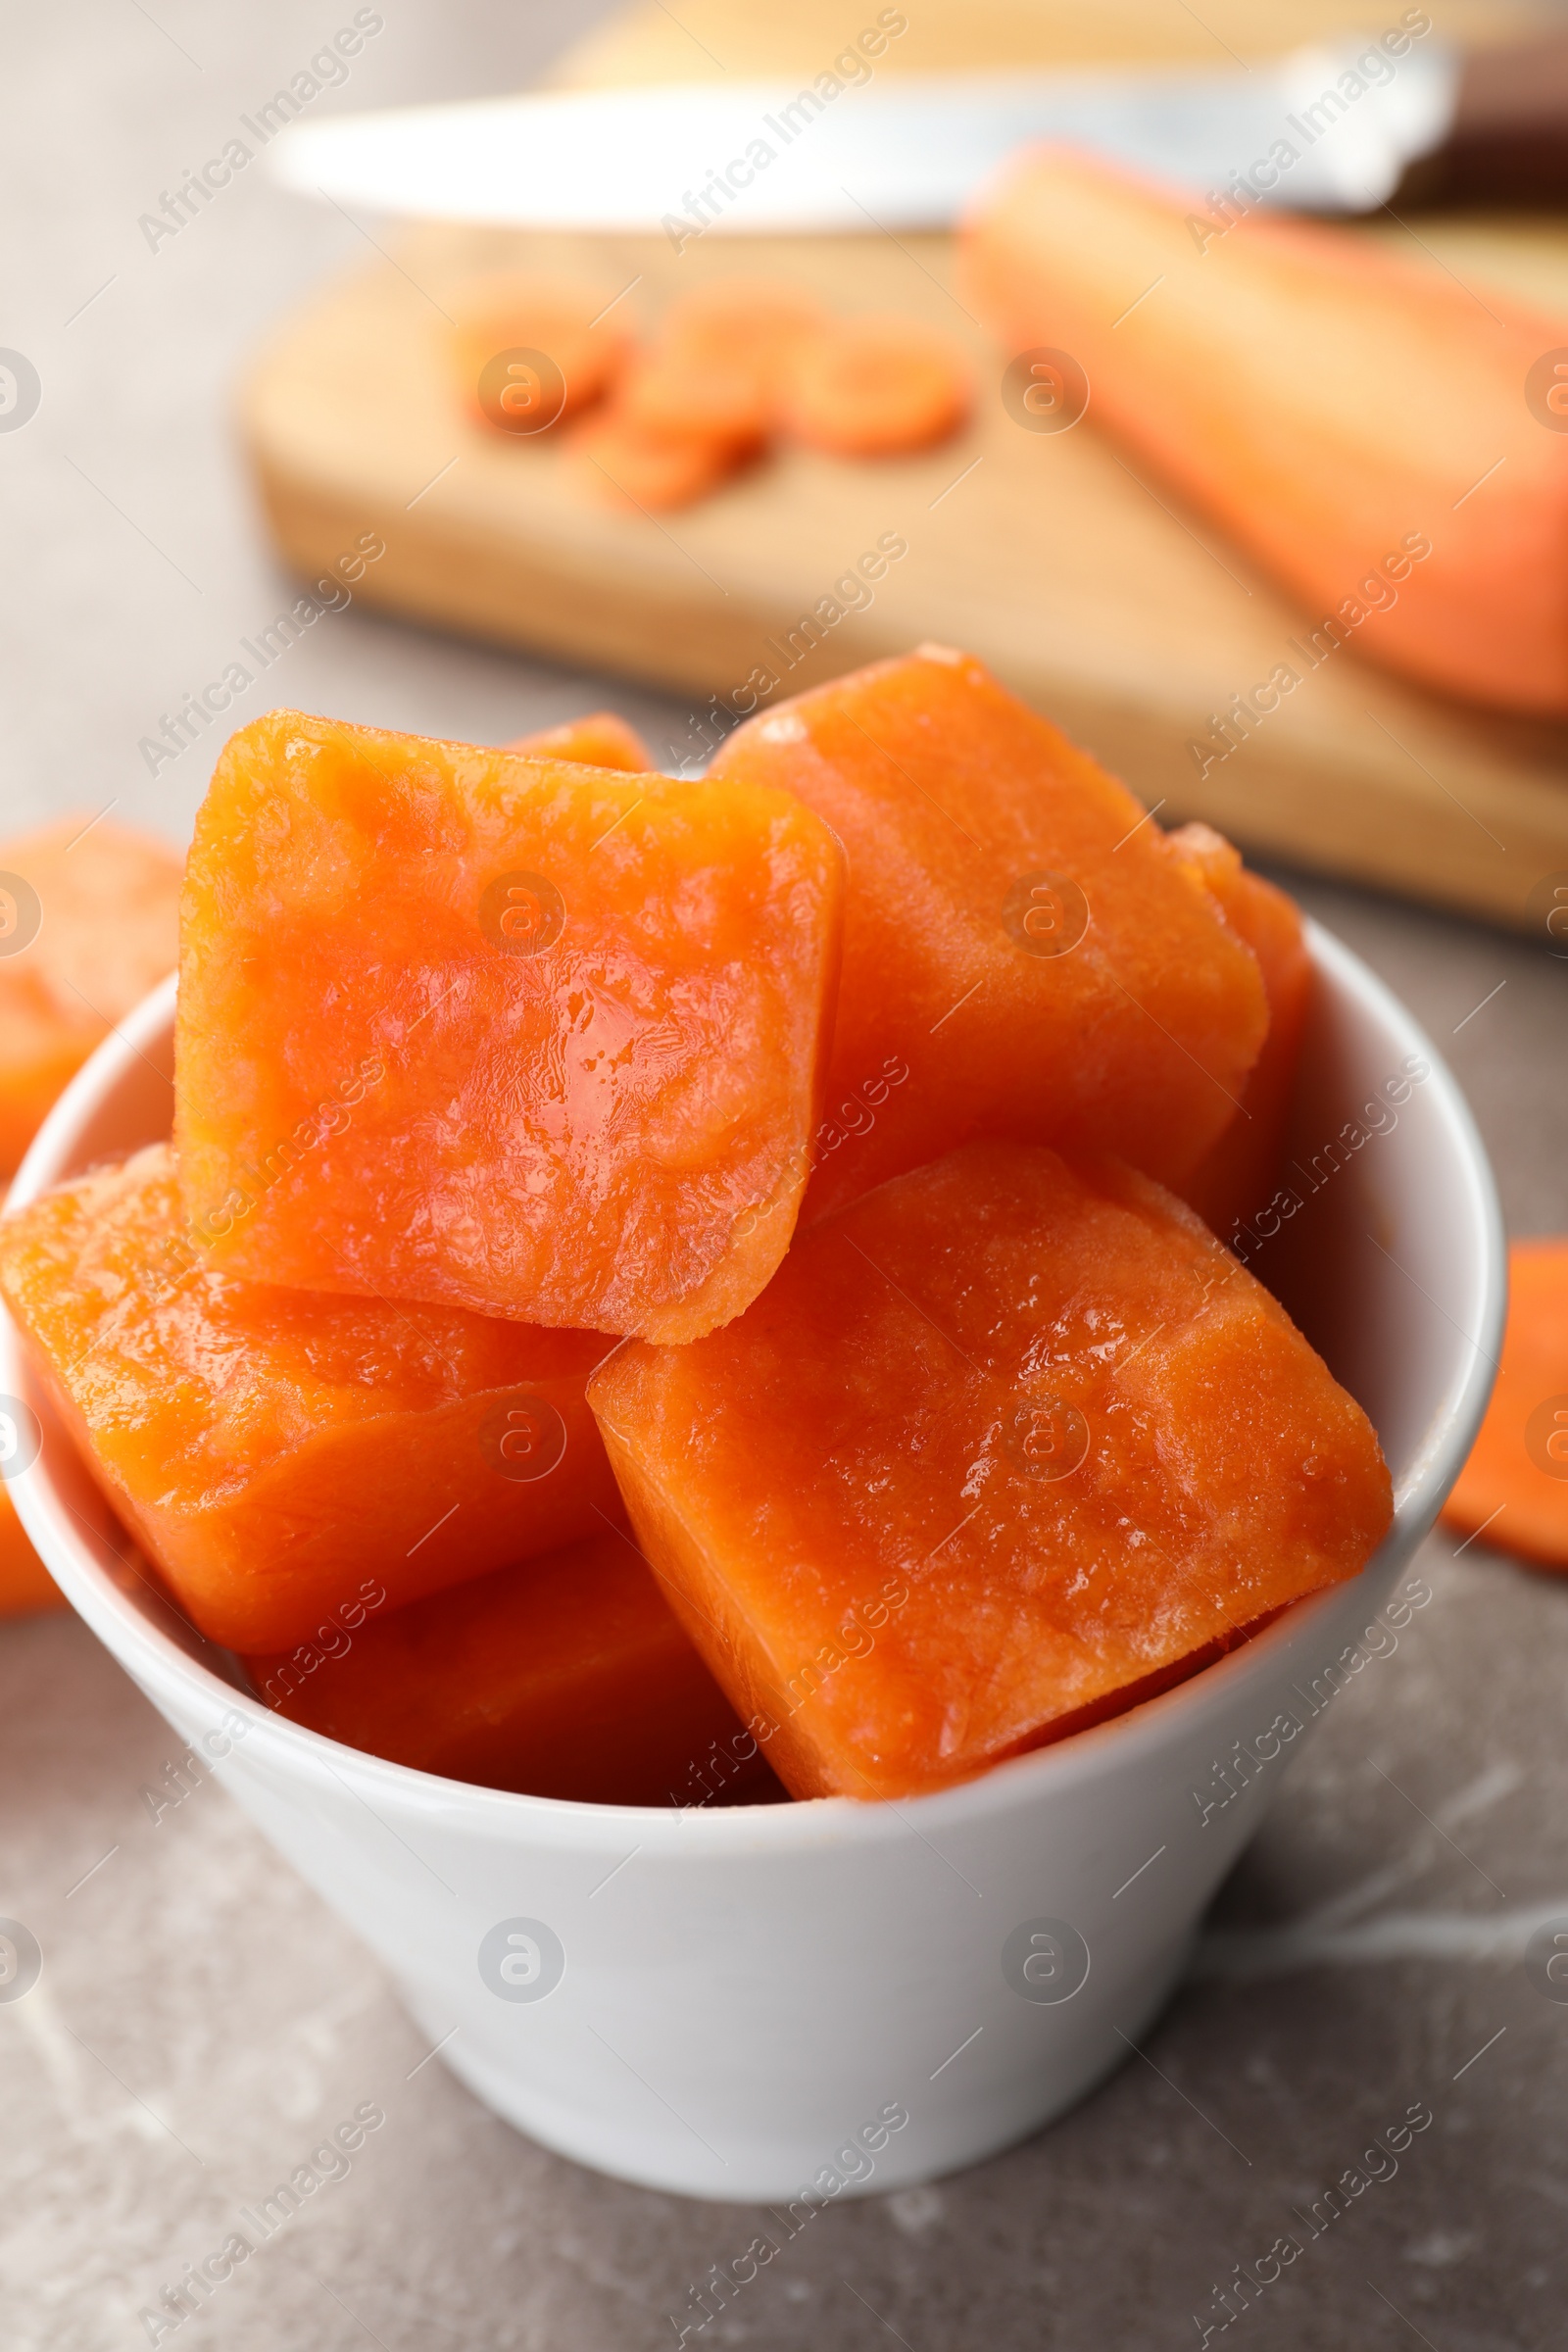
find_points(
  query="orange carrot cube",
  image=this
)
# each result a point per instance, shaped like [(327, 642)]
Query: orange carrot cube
[(1007, 1445), (519, 1036), (278, 1452), (1022, 955), (566, 1677)]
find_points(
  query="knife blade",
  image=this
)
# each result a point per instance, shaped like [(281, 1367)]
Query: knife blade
[(911, 152)]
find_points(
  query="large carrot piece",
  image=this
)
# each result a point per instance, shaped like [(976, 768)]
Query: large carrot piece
[(1358, 418), (25, 1583), (1516, 1484)]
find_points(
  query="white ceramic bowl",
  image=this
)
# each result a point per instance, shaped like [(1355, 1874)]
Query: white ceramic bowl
[(744, 2003)]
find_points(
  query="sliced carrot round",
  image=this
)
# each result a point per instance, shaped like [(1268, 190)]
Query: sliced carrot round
[(503, 320), (721, 352), (624, 464), (874, 387), (722, 397), (1513, 1491), (756, 320)]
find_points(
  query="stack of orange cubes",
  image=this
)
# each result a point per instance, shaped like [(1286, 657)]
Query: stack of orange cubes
[(675, 1290)]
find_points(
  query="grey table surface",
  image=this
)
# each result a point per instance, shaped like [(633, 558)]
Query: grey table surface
[(202, 2018)]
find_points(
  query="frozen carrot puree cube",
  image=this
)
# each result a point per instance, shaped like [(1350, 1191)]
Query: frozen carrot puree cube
[(600, 740), (272, 1448), (1239, 1172), (25, 1583), (591, 1001), (88, 924), (1007, 1445), (1021, 958), (569, 1676)]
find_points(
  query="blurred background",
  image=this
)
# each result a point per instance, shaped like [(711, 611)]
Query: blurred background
[(203, 2016)]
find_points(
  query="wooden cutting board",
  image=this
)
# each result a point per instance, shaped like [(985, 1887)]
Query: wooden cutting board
[(1087, 585)]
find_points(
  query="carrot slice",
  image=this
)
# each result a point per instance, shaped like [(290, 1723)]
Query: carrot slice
[(508, 314), (874, 387), (721, 396), (721, 353), (1516, 1484), (601, 740), (624, 463)]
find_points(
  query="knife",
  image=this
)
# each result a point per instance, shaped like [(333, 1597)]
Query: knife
[(1334, 128)]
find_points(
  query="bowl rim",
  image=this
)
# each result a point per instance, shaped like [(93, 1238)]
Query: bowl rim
[(164, 1669)]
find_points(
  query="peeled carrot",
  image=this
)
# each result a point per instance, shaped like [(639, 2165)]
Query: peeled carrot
[(874, 387), (624, 463), (561, 322), (1359, 419), (601, 740), (1516, 1484)]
